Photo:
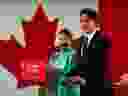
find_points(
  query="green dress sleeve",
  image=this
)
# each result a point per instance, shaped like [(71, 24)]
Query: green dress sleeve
[(68, 65), (65, 90)]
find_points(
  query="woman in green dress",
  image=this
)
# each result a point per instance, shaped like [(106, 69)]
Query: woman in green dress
[(61, 60)]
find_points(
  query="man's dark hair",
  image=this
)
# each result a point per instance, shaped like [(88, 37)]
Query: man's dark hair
[(91, 13), (66, 32), (88, 12)]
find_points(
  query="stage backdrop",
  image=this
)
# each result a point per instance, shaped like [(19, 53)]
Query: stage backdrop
[(115, 20)]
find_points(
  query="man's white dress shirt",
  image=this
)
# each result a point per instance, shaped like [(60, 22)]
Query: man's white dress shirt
[(89, 36)]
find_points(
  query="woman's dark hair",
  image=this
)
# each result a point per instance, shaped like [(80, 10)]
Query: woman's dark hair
[(66, 32)]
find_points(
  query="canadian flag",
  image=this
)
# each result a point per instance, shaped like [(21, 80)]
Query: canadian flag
[(34, 36)]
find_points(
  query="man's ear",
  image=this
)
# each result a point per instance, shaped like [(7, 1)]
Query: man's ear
[(98, 27)]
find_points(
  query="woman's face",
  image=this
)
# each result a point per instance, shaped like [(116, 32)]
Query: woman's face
[(61, 40)]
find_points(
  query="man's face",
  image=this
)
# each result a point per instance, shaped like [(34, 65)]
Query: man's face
[(87, 24)]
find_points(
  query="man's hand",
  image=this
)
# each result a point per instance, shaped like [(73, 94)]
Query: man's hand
[(123, 81), (124, 76), (78, 79), (75, 80)]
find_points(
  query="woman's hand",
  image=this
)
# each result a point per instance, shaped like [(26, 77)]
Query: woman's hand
[(52, 67)]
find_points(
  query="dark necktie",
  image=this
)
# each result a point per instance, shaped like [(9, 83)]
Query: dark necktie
[(84, 45), (85, 41)]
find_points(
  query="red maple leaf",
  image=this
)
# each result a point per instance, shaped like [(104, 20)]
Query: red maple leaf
[(39, 34)]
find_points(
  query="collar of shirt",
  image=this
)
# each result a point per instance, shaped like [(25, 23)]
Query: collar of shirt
[(90, 36)]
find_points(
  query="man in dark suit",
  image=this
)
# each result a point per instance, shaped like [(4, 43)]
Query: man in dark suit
[(91, 52)]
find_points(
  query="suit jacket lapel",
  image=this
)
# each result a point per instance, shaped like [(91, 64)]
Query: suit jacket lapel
[(96, 41), (93, 40)]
